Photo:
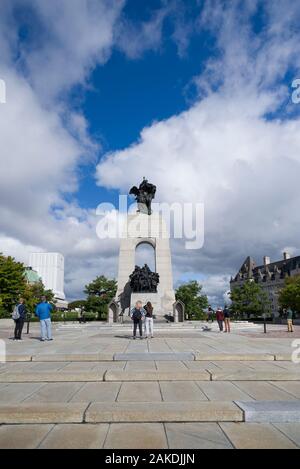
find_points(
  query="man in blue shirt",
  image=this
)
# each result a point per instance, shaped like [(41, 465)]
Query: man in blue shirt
[(43, 312)]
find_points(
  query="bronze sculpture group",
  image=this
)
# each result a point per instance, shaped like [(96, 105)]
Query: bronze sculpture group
[(143, 280)]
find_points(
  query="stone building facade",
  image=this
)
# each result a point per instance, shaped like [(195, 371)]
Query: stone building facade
[(270, 275)]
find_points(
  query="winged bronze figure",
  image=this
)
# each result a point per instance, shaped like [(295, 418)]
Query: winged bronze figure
[(144, 194)]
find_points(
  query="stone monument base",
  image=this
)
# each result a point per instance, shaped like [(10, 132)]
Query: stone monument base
[(161, 306)]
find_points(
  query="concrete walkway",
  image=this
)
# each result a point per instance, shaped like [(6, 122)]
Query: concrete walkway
[(94, 387)]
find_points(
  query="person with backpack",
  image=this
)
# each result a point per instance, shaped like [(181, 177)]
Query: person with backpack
[(137, 315), (19, 316), (43, 312), (149, 320), (220, 318)]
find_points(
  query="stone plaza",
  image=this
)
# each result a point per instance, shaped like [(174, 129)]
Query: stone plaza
[(93, 387)]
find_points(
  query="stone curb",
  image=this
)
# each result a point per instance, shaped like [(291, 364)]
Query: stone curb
[(164, 412), (148, 375), (51, 377)]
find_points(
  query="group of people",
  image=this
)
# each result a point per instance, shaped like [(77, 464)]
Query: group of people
[(143, 315), (42, 311), (139, 314), (223, 317)]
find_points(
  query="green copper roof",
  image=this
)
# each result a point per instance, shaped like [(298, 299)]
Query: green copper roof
[(32, 276)]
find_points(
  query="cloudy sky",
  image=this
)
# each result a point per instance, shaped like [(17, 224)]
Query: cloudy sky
[(196, 95)]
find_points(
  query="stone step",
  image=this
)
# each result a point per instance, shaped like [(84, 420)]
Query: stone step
[(51, 377), (149, 375), (146, 412), (250, 357), (249, 375), (120, 412), (42, 413), (164, 412), (72, 357), (271, 411), (148, 356)]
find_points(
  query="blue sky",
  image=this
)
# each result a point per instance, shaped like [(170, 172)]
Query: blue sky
[(195, 95), (128, 94)]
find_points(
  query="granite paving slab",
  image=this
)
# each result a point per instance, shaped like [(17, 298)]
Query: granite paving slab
[(271, 411)]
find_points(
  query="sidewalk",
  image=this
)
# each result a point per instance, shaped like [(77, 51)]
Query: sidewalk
[(95, 387)]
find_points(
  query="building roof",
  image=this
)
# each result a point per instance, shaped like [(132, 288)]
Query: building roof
[(269, 270), (31, 275)]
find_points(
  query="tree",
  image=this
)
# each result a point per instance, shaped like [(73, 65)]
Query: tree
[(12, 282), (250, 299), (33, 294), (100, 293), (289, 296), (77, 304), (195, 302)]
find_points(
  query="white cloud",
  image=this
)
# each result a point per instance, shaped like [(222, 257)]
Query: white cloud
[(224, 152), (221, 151), (43, 140)]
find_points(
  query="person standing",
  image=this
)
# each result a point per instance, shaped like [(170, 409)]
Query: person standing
[(137, 315), (43, 312), (149, 320), (220, 318), (19, 316), (289, 316), (210, 314), (227, 315)]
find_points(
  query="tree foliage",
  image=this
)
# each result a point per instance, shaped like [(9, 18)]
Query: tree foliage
[(289, 296), (250, 299), (100, 293), (13, 285), (77, 304), (33, 294), (195, 302), (12, 282)]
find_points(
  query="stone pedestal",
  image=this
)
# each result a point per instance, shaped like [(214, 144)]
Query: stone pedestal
[(139, 229)]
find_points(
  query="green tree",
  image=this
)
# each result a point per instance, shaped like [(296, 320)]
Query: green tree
[(289, 296), (100, 293), (33, 294), (250, 299), (12, 282), (81, 304), (195, 302)]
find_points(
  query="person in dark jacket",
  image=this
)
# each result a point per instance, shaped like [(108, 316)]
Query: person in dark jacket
[(227, 316), (220, 318), (19, 323), (210, 314), (137, 315)]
